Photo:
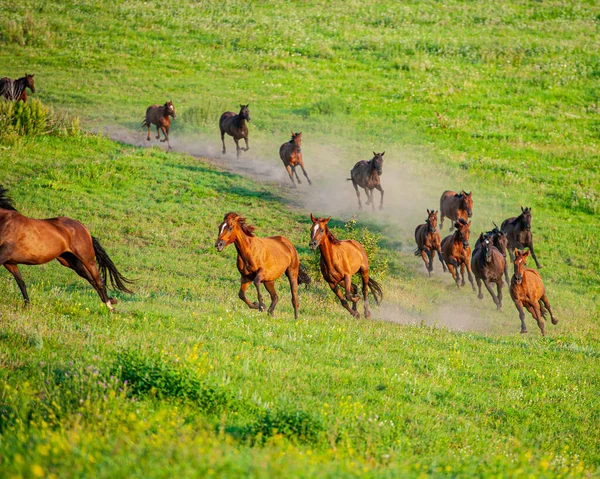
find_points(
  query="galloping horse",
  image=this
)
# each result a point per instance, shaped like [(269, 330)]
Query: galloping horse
[(366, 174), (488, 263), (527, 290), (456, 206), (518, 232), (261, 260), (500, 241), (29, 241), (16, 90), (235, 126), (159, 115), (291, 155), (340, 260), (457, 252), (428, 241)]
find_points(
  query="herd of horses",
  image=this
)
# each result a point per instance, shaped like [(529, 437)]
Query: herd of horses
[(31, 241)]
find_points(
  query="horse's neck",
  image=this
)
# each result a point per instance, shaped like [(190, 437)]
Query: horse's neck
[(242, 244), (239, 121), (326, 248)]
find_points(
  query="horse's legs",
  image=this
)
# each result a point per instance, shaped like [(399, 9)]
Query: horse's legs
[(14, 270), (488, 285), (293, 278), (166, 133), (441, 220), (246, 140), (237, 146), (431, 256), (88, 271), (336, 290), (537, 264), (512, 258), (369, 197), (439, 252), (157, 132), (537, 314), (425, 256), (544, 299), (453, 268), (289, 170), (506, 271), (499, 288), (357, 194), (223, 140), (305, 174), (462, 273), (348, 286), (378, 187), (478, 279), (257, 280), (365, 291), (519, 305), (469, 272), (149, 126), (245, 283), (270, 286), (296, 173)]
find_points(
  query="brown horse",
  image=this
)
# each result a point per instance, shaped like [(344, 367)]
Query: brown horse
[(367, 175), (16, 90), (291, 155), (429, 241), (29, 241), (456, 252), (159, 115), (456, 206), (235, 126), (488, 263), (340, 260), (518, 232), (261, 260), (500, 241), (527, 291)]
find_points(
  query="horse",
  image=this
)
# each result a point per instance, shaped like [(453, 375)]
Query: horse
[(527, 290), (159, 115), (456, 252), (456, 206), (367, 175), (428, 241), (500, 241), (340, 260), (235, 126), (16, 90), (518, 232), (291, 155), (488, 264), (31, 241), (261, 260)]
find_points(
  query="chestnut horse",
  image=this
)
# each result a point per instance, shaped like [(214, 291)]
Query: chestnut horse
[(29, 241), (527, 291), (488, 263), (367, 175), (291, 155), (429, 241), (261, 260), (500, 241), (340, 260), (518, 232), (159, 115), (235, 126), (456, 206), (16, 90), (456, 252)]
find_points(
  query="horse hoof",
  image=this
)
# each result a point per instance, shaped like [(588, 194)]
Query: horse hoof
[(113, 300), (223, 152), (524, 331), (480, 296), (381, 207), (554, 321)]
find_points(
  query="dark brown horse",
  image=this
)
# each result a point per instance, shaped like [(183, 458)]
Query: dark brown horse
[(291, 155), (488, 264), (527, 291), (16, 90), (29, 241), (159, 115), (500, 241), (429, 241), (261, 260), (367, 175), (518, 232), (456, 206), (340, 260), (456, 252), (235, 126)]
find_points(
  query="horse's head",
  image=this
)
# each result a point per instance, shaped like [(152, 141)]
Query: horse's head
[(29, 79), (244, 112), (170, 109), (318, 230), (467, 202), (486, 241), (229, 229), (377, 162), (297, 140), (500, 240), (431, 220), (520, 263), (463, 230), (526, 217)]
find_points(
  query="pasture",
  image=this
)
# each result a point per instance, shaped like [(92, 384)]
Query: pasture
[(498, 99)]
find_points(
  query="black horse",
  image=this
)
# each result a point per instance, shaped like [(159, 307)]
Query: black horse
[(518, 233), (235, 126), (367, 175)]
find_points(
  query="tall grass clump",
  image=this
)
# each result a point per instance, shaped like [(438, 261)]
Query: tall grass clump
[(25, 31)]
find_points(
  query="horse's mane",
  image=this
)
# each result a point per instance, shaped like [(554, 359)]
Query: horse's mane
[(332, 238), (458, 195), (6, 201), (247, 229), (462, 221)]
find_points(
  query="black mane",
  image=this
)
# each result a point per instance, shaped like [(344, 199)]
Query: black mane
[(6, 202)]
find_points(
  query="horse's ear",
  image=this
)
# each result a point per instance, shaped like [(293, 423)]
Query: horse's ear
[(517, 253), (312, 218), (428, 212), (327, 219), (524, 255), (374, 154), (470, 193), (383, 153), (522, 210)]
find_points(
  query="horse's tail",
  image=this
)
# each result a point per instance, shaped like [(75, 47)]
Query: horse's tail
[(376, 290), (145, 122), (108, 268), (348, 179), (303, 277)]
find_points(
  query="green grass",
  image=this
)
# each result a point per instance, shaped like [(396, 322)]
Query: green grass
[(498, 98)]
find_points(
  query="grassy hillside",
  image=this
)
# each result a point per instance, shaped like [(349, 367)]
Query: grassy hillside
[(501, 99)]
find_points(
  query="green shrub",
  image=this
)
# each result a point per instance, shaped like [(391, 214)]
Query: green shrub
[(378, 264), (296, 425)]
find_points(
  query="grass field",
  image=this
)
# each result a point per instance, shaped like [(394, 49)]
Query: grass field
[(501, 99)]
